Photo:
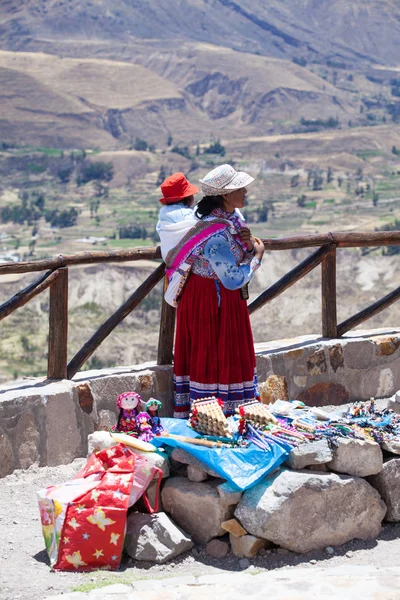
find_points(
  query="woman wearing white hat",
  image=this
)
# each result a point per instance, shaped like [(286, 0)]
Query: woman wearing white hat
[(214, 350)]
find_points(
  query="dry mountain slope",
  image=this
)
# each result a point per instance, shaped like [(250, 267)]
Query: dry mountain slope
[(357, 30), (198, 92)]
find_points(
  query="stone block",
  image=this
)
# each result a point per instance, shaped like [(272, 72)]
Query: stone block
[(107, 419), (358, 354), (154, 538), (229, 495), (246, 546), (233, 527), (27, 434), (387, 482), (217, 548), (100, 440), (308, 454), (7, 458), (196, 474), (196, 507), (64, 441), (304, 511), (324, 394), (274, 388), (184, 457), (356, 457), (336, 357), (394, 402)]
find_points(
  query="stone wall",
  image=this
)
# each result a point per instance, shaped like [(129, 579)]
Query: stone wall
[(48, 422), (322, 372)]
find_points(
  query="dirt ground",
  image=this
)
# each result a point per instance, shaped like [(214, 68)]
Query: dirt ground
[(25, 571)]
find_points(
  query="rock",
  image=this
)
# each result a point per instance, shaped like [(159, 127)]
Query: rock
[(228, 494), (196, 474), (394, 402), (282, 551), (311, 453), (107, 420), (100, 440), (356, 457), (184, 457), (324, 393), (313, 562), (274, 388), (154, 538), (303, 511), (26, 431), (244, 563), (387, 482), (246, 546), (349, 554), (196, 507), (7, 461), (217, 548), (234, 527), (329, 550)]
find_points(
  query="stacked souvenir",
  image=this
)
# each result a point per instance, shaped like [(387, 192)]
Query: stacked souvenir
[(207, 417), (256, 412)]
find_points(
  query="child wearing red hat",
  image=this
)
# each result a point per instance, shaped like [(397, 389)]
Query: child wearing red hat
[(176, 217)]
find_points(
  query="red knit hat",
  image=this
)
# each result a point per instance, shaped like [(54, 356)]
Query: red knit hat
[(177, 187)]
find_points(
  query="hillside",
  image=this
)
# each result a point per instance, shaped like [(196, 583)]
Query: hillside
[(284, 28)]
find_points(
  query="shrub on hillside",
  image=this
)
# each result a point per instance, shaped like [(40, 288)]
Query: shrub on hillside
[(95, 171)]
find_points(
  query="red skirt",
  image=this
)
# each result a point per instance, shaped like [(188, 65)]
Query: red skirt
[(214, 349)]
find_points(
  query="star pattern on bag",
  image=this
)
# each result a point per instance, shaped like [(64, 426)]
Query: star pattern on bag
[(75, 559), (114, 538), (99, 518), (74, 524)]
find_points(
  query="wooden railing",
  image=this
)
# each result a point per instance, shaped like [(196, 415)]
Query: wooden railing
[(56, 277)]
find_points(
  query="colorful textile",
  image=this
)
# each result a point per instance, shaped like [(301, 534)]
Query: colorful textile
[(214, 349), (84, 520)]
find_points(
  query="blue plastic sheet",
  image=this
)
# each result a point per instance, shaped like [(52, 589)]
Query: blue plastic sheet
[(242, 467)]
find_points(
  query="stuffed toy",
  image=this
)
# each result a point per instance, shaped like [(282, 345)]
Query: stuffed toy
[(144, 427), (152, 407), (128, 411)]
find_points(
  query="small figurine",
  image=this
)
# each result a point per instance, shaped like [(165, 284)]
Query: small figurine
[(127, 404), (144, 427), (152, 407)]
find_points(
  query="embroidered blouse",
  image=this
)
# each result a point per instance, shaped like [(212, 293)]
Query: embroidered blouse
[(224, 257)]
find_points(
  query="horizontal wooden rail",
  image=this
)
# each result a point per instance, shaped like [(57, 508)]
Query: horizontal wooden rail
[(343, 240), (107, 327), (83, 258), (367, 313), (290, 278), (32, 290)]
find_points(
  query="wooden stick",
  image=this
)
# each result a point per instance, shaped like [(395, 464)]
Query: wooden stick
[(119, 315), (167, 329), (82, 258), (58, 327), (290, 278), (367, 313), (22, 297), (196, 441), (328, 287)]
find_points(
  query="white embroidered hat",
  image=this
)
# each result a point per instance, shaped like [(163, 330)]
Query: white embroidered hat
[(223, 180)]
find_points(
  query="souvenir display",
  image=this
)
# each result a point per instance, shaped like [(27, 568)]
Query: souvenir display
[(207, 417)]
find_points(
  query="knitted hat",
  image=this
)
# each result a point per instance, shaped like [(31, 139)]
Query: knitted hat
[(125, 395)]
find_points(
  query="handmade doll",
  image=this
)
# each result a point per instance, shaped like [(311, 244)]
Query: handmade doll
[(144, 427), (152, 407), (127, 404)]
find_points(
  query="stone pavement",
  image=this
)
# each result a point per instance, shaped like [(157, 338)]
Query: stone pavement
[(344, 582)]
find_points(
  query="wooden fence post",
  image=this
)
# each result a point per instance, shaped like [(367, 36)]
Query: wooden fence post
[(328, 284), (167, 329), (58, 327)]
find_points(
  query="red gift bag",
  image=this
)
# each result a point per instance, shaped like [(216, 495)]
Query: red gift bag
[(84, 520)]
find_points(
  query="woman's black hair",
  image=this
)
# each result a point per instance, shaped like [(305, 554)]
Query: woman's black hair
[(207, 205)]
